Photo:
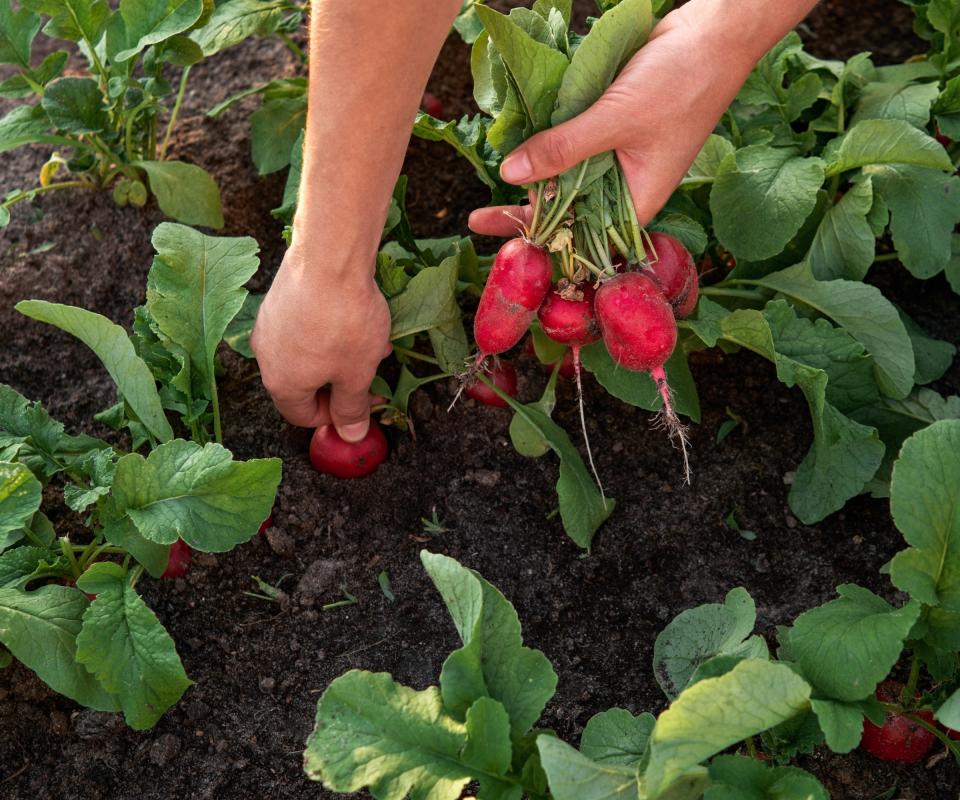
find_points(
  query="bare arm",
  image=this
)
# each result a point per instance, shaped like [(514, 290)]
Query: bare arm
[(663, 105), (324, 321)]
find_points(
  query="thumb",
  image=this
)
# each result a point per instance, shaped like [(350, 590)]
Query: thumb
[(350, 411), (562, 147)]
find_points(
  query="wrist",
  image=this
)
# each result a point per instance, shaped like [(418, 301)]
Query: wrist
[(740, 32), (322, 268)]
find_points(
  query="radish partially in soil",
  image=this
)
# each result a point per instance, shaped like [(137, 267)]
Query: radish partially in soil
[(266, 524), (178, 562), (431, 105), (503, 376), (675, 273), (332, 455), (900, 738), (640, 332)]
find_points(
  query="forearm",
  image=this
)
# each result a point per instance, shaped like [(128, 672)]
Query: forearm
[(369, 63), (745, 29)]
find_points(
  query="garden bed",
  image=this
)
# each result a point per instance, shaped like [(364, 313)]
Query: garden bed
[(259, 667)]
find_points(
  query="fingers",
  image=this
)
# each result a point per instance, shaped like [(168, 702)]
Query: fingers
[(350, 410), (562, 147), (500, 220), (309, 411)]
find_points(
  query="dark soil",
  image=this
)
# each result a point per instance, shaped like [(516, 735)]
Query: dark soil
[(259, 667)]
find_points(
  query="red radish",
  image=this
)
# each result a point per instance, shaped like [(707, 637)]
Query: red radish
[(568, 368), (636, 321), (899, 738), (566, 315), (686, 307), (674, 271), (518, 283), (332, 455), (432, 105), (640, 333), (946, 141), (504, 377), (266, 524), (178, 562)]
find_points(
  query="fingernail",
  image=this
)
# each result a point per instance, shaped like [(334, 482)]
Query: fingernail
[(516, 168), (354, 432)]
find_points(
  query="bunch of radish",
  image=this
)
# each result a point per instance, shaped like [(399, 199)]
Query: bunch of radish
[(632, 307)]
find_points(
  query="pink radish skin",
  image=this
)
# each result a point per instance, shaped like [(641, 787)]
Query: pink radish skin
[(517, 285), (685, 308), (504, 377), (636, 321), (674, 271), (432, 105), (570, 322)]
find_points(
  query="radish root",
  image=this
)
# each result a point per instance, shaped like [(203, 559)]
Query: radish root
[(583, 421), (668, 419)]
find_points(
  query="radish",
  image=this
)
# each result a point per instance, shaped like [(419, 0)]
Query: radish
[(517, 285), (431, 105), (504, 377), (675, 273), (178, 562), (332, 455), (636, 321), (900, 738), (640, 333), (266, 524), (567, 316)]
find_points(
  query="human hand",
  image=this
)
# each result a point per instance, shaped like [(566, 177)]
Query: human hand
[(309, 334), (656, 116)]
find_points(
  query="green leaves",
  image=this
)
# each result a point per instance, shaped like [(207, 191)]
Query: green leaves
[(845, 454), (147, 23), (741, 778), (275, 128), (110, 344), (235, 20), (774, 187), (73, 19), (40, 628), (847, 646), (924, 503), (127, 649), (699, 634), (844, 245), (925, 208), (493, 661), (864, 313), (194, 290), (887, 141), (75, 105), (717, 712), (617, 737), (27, 125), (611, 42), (17, 31), (536, 69), (184, 192), (468, 138), (372, 732), (198, 494), (844, 648), (20, 495), (573, 776)]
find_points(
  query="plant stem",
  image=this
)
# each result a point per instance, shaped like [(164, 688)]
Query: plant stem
[(556, 216), (910, 688), (293, 47), (215, 402), (50, 187), (751, 747), (538, 205), (746, 294), (136, 572), (67, 551), (886, 257), (173, 114), (403, 351)]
